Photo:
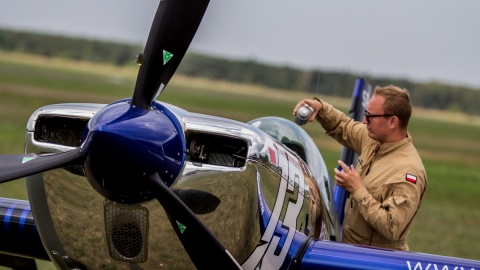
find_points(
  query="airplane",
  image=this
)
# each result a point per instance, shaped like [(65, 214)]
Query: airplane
[(142, 184)]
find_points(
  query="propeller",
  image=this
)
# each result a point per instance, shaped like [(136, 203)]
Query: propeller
[(173, 29), (17, 166), (202, 246)]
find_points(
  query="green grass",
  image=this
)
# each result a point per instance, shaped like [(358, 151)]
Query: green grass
[(234, 106), (446, 223)]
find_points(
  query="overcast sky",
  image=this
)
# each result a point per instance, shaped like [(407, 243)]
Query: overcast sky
[(416, 39)]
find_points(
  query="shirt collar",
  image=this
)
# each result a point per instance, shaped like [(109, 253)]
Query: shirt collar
[(388, 147)]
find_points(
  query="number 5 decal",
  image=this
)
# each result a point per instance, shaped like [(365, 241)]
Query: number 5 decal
[(279, 234)]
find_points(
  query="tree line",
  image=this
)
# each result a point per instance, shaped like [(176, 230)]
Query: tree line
[(68, 47), (427, 95)]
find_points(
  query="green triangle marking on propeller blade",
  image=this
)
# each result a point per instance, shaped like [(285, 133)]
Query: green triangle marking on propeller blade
[(181, 227), (166, 56), (27, 159)]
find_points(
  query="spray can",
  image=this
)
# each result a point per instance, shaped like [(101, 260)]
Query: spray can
[(303, 114)]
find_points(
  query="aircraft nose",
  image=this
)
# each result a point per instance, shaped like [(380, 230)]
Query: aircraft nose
[(129, 144)]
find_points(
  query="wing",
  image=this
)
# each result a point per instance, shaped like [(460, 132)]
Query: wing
[(20, 243), (333, 255)]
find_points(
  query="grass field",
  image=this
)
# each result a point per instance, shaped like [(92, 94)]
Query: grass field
[(449, 143)]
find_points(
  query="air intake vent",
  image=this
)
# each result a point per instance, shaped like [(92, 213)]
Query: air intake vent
[(127, 232), (214, 149), (60, 130)]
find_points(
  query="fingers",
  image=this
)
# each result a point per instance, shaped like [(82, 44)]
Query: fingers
[(344, 166), (337, 172), (315, 104), (339, 175), (347, 177), (299, 104)]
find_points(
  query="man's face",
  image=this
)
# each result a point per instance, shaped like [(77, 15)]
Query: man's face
[(377, 126)]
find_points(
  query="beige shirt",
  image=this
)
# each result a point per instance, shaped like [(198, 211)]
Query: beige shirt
[(380, 213)]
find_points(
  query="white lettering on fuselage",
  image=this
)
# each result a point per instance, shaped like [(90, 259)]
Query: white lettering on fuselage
[(279, 234), (433, 266)]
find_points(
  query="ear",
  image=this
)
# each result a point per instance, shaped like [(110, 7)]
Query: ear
[(394, 122)]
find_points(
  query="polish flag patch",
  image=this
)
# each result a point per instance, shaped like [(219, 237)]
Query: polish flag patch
[(411, 178)]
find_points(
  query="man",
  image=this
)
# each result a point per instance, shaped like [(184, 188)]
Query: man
[(389, 181)]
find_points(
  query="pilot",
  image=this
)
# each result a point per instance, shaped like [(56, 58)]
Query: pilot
[(388, 183)]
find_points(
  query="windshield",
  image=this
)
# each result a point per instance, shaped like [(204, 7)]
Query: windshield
[(298, 140)]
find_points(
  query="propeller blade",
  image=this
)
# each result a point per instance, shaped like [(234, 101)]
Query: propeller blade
[(202, 246), (18, 166), (172, 31)]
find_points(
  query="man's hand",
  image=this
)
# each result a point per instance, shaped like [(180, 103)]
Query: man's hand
[(348, 178), (315, 104)]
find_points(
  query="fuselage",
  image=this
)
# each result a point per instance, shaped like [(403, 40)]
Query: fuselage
[(259, 197)]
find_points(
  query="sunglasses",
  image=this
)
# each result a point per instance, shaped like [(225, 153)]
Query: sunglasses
[(368, 116)]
